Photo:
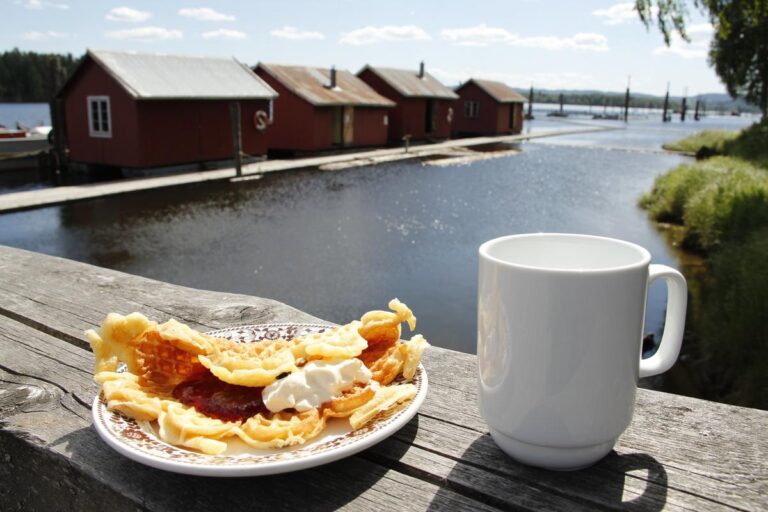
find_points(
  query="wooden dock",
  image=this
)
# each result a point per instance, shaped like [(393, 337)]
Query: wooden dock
[(58, 195), (678, 454)]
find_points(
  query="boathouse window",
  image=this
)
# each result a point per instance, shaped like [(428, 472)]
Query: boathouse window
[(471, 109), (99, 117)]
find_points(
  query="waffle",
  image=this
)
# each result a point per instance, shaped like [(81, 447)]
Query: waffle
[(251, 364), (281, 430), (388, 398), (184, 426), (158, 357)]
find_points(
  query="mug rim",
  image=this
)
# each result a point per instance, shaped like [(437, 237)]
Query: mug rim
[(644, 261)]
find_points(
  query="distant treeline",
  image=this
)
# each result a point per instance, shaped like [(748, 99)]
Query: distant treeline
[(716, 102), (33, 77), (600, 99)]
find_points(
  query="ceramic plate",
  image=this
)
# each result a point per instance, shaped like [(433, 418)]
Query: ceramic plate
[(139, 441)]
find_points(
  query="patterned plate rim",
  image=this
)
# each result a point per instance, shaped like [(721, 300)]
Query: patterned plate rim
[(127, 437)]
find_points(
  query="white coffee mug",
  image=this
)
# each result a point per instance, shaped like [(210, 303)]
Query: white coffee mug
[(560, 324)]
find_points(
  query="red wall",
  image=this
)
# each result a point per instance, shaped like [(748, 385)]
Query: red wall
[(300, 126), (123, 147), (183, 131), (370, 129), (149, 133), (493, 117), (408, 116)]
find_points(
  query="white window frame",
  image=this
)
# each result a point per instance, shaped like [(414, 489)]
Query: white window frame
[(103, 104), (471, 109)]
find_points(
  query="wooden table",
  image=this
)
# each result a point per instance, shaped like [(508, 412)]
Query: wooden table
[(679, 453)]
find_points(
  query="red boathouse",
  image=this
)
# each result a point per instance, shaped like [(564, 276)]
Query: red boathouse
[(319, 109), (424, 107), (133, 110), (486, 107)]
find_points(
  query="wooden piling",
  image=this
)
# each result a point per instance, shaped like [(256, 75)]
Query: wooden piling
[(682, 109), (57, 124), (626, 106), (696, 111), (530, 104), (234, 112)]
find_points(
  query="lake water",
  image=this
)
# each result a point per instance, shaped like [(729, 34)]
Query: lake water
[(27, 114), (336, 244)]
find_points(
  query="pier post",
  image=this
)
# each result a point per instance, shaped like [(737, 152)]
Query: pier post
[(234, 113), (696, 116), (57, 124), (626, 100), (626, 106), (682, 109), (530, 104)]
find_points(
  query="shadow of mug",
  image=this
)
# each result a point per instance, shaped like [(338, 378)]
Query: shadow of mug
[(635, 481)]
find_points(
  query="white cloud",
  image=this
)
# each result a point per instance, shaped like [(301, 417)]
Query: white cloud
[(146, 34), (42, 36), (479, 35), (127, 14), (370, 35), (41, 4), (205, 14), (617, 14), (698, 48), (224, 33), (483, 35), (295, 34)]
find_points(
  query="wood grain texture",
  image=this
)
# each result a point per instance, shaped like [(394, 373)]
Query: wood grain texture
[(678, 454)]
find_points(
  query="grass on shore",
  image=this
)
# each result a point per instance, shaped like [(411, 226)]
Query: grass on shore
[(722, 204), (723, 197), (713, 139), (715, 199)]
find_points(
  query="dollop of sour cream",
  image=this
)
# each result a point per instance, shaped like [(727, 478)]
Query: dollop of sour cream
[(316, 383)]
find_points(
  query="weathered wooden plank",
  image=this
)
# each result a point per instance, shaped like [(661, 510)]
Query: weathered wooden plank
[(53, 459), (64, 298), (679, 452), (704, 450)]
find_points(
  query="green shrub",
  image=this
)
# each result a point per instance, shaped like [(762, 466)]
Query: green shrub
[(715, 140), (671, 191), (751, 144), (732, 203), (733, 330), (714, 199)]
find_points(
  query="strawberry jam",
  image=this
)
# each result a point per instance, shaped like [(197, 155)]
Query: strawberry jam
[(218, 399)]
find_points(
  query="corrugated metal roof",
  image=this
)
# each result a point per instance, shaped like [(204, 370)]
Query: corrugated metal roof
[(157, 76), (408, 83), (499, 91), (312, 85)]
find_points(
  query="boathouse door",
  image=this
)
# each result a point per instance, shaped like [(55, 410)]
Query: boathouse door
[(430, 117), (349, 126), (337, 126), (512, 112)]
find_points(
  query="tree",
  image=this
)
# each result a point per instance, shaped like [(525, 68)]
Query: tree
[(739, 48)]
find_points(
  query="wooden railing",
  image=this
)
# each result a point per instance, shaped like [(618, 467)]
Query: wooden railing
[(679, 453)]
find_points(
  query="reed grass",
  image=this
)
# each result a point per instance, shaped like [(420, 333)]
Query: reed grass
[(713, 139)]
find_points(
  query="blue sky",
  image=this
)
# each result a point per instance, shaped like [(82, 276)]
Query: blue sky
[(592, 44)]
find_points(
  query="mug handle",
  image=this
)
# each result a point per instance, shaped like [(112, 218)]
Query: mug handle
[(672, 338)]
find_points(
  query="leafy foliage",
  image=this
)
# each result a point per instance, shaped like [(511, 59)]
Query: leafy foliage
[(739, 49)]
